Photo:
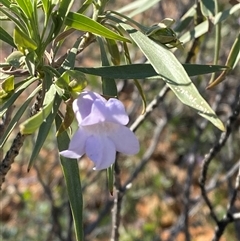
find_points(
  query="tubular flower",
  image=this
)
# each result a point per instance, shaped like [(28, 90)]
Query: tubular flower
[(101, 130)]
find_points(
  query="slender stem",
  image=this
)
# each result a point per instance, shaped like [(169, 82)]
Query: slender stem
[(140, 26), (217, 41), (221, 224)]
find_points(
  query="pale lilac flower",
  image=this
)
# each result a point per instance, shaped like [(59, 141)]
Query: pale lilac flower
[(102, 131)]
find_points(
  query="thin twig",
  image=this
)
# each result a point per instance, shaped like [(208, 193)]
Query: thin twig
[(229, 217), (117, 203), (143, 162), (148, 154), (102, 214), (87, 39), (198, 201), (17, 143), (186, 200), (183, 220), (196, 43), (221, 224), (151, 106), (10, 156), (55, 211), (5, 121)]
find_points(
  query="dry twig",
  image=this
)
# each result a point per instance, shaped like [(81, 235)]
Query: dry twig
[(221, 224)]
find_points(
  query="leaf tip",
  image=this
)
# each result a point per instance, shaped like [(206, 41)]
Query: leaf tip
[(222, 128)]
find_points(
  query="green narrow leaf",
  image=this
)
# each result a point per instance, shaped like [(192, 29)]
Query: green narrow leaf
[(24, 10), (6, 89), (23, 41), (44, 131), (15, 59), (141, 92), (207, 8), (198, 69), (11, 100), (72, 81), (232, 60), (8, 84), (110, 177), (185, 20), (113, 51), (138, 7), (142, 71), (234, 55), (203, 27), (73, 183), (34, 29), (217, 45), (27, 7), (69, 62), (6, 37), (172, 72), (30, 62), (6, 3), (33, 123), (64, 8), (77, 82), (59, 17), (50, 70), (109, 87), (18, 22), (83, 23), (198, 31), (221, 16), (46, 7), (17, 116), (85, 6), (136, 82)]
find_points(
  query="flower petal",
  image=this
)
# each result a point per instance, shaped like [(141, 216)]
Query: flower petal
[(98, 113), (111, 111), (109, 155), (83, 104), (116, 112), (94, 149), (77, 145), (101, 151), (125, 140)]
